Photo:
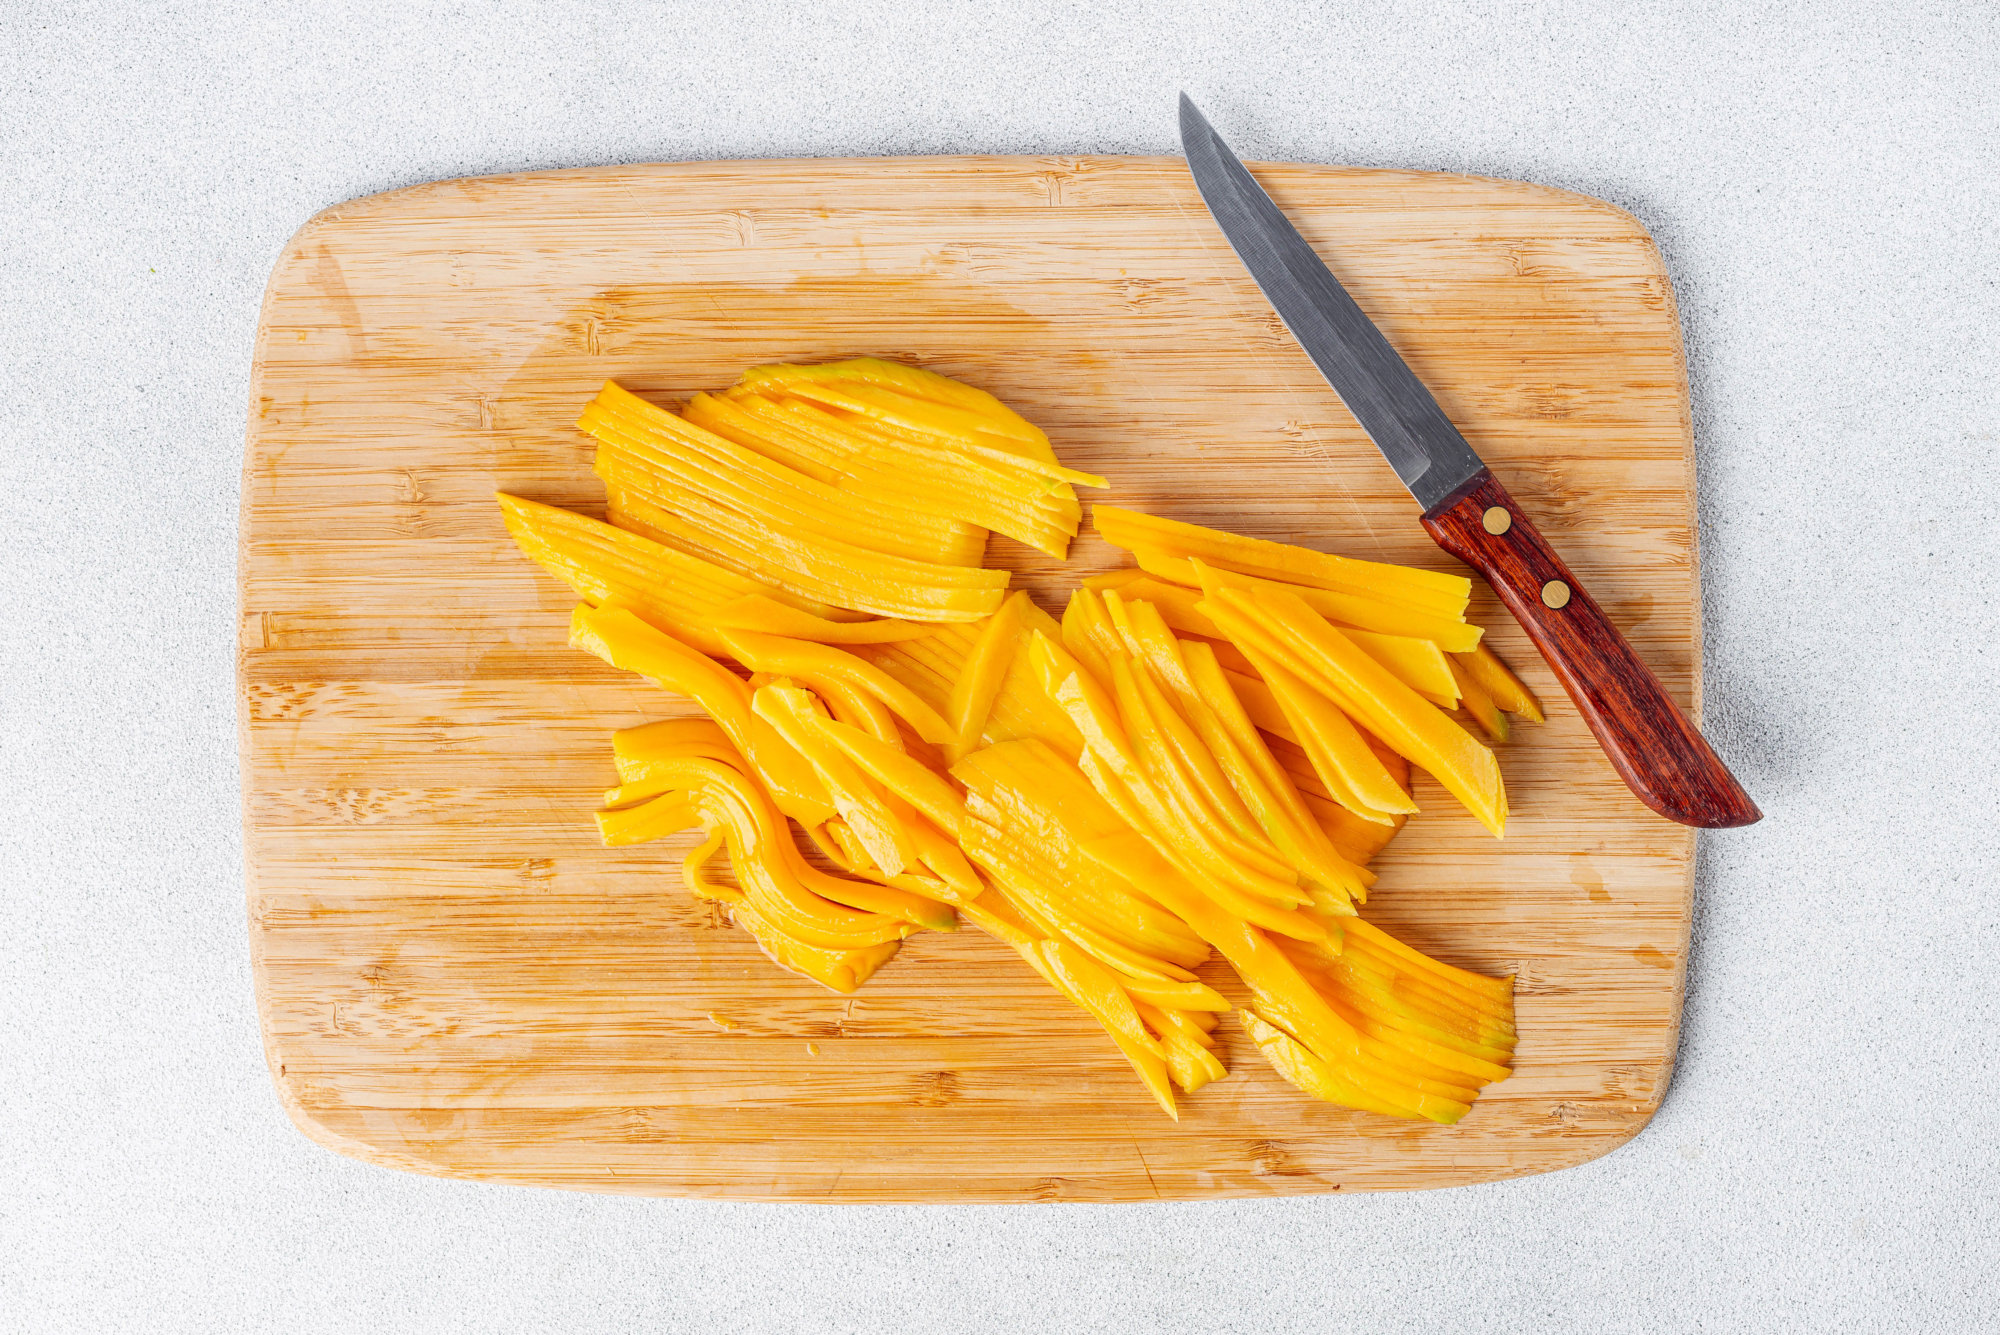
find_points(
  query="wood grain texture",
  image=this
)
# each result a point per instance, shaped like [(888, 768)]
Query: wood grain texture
[(455, 978), (1662, 757)]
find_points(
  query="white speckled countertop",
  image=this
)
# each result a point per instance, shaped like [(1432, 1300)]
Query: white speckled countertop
[(1824, 181)]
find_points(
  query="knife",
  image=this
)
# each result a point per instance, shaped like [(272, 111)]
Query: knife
[(1660, 754)]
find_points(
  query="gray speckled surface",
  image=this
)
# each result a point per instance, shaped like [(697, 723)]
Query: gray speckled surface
[(1823, 179)]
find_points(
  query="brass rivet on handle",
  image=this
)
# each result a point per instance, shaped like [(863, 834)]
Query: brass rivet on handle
[(1555, 593), (1498, 519)]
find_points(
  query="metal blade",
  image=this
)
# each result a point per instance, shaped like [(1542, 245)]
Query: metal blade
[(1377, 386)]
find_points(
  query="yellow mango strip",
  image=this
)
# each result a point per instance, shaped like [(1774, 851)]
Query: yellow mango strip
[(1428, 590), (1099, 899), (1352, 774), (767, 616), (694, 868), (940, 483), (955, 428), (1380, 1004), (776, 442), (916, 382), (1000, 918), (607, 566), (1284, 992), (1114, 579), (1478, 704), (1499, 991), (1411, 725), (659, 818), (1046, 906), (669, 476), (1189, 1061), (1144, 846), (1371, 1074), (1316, 709), (1088, 635), (829, 571), (1322, 1080), (1266, 790), (1164, 753), (851, 438), (1261, 705), (1422, 1033), (1227, 698), (1499, 682), (1180, 607), (631, 748), (729, 794), (1097, 990), (1028, 788), (952, 878), (1240, 758), (1020, 709), (857, 708), (1405, 1001), (984, 673), (925, 902), (807, 661), (1418, 664), (1070, 891), (841, 970), (1177, 997), (1178, 820), (733, 474), (758, 848), (792, 711), (941, 471), (1084, 697), (665, 464), (1355, 839), (1086, 984), (1004, 467), (626, 642), (908, 778), (1450, 634), (671, 739)]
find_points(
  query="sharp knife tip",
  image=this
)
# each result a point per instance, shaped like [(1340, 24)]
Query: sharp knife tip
[(1192, 121)]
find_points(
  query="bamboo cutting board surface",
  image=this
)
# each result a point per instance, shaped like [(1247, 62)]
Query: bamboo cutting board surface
[(455, 978)]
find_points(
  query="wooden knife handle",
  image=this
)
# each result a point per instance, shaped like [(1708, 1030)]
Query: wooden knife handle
[(1656, 750)]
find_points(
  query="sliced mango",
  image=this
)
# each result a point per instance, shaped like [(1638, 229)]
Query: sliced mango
[(1425, 590), (1499, 682)]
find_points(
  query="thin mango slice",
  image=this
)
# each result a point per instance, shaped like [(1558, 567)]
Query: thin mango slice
[(609, 567), (916, 382), (984, 673), (1474, 700), (841, 970), (828, 571), (626, 642), (688, 455), (794, 714), (1499, 682), (1352, 774), (1426, 590), (767, 616), (810, 662), (1448, 632), (1411, 725)]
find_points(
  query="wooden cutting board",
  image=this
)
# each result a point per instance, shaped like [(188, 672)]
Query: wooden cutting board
[(454, 977)]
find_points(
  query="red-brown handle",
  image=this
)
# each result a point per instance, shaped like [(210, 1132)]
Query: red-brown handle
[(1653, 746)]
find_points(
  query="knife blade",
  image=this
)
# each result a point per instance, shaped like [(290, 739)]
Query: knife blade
[(1659, 753)]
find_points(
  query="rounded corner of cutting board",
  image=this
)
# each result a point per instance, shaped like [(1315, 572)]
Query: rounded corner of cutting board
[(390, 671)]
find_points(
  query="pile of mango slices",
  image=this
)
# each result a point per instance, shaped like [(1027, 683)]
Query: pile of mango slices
[(1201, 757)]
